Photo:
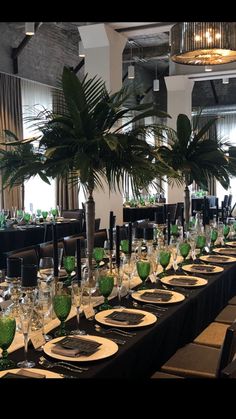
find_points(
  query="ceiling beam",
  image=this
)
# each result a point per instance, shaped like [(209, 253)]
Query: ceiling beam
[(153, 28), (16, 51)]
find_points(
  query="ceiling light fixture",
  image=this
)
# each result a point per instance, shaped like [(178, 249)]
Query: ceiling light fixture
[(208, 68), (156, 84), (225, 80), (203, 43), (131, 69), (30, 28), (81, 49)]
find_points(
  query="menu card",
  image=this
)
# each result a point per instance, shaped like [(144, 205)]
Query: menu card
[(124, 317)]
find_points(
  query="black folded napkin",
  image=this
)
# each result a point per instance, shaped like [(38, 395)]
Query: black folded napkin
[(156, 296), (13, 375), (202, 268), (217, 258), (183, 281), (75, 347), (229, 251), (125, 317)]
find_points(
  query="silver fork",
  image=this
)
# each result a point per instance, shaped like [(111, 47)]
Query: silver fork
[(114, 330), (48, 364), (154, 306)]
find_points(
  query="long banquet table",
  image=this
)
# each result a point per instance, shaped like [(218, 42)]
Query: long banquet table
[(153, 345)]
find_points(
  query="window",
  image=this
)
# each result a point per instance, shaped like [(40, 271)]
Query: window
[(35, 97)]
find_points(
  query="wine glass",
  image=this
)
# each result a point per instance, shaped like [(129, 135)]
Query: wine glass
[(201, 242), (98, 254), (105, 285), (164, 257), (124, 246), (69, 265), (143, 269), (77, 293), (7, 333), (44, 305), (214, 236), (62, 306), (54, 213), (44, 214), (27, 217), (89, 286), (184, 249), (127, 268), (46, 265), (25, 314)]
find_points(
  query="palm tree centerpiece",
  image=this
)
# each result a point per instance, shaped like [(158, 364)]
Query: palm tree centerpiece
[(197, 157), (85, 141)]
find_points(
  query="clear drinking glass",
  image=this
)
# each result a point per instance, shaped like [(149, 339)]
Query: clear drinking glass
[(77, 294), (25, 314)]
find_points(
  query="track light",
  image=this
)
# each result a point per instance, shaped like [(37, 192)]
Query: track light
[(131, 73), (225, 80), (81, 49), (208, 68), (29, 28), (156, 85)]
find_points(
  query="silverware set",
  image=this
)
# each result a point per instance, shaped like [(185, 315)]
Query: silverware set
[(114, 330), (62, 364)]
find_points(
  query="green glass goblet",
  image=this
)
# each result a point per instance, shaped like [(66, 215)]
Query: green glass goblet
[(7, 333), (214, 235), (98, 254), (201, 243), (124, 246), (143, 269), (184, 250), (105, 286), (164, 259), (226, 231), (44, 214), (62, 306), (54, 213), (174, 230), (27, 217), (69, 265)]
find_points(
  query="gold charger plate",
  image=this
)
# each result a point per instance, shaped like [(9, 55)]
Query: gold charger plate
[(228, 251), (233, 244), (194, 268), (217, 259), (146, 321), (48, 374), (107, 349), (176, 297), (174, 280)]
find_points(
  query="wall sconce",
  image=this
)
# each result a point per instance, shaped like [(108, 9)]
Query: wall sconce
[(131, 71), (29, 28), (81, 49)]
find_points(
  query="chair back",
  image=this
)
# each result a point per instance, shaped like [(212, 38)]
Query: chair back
[(228, 348), (70, 244), (100, 237), (30, 255), (229, 371), (46, 249)]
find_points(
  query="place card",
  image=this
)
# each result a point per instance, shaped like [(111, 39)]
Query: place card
[(37, 339), (89, 312)]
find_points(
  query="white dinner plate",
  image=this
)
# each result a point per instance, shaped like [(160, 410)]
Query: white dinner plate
[(202, 269), (147, 320), (107, 348), (175, 296), (46, 373), (218, 258), (228, 251), (174, 280)]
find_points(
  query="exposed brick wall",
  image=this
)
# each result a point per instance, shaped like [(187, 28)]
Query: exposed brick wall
[(43, 58)]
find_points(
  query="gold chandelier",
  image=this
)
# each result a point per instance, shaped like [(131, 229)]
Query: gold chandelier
[(203, 43)]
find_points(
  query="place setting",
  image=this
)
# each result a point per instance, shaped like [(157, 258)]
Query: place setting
[(29, 373), (126, 318), (183, 281), (218, 259), (202, 269), (228, 251), (158, 296), (80, 349)]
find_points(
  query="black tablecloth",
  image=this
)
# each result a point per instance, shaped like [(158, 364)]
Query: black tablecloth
[(134, 214), (154, 345)]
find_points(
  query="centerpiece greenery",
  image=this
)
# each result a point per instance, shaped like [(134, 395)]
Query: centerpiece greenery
[(87, 141), (197, 157)]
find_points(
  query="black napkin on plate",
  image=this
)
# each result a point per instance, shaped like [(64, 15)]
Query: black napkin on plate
[(156, 296), (13, 375), (203, 268), (229, 251), (183, 281), (75, 347), (217, 258), (124, 317)]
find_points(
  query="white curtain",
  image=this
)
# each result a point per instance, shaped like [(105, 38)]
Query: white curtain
[(35, 98)]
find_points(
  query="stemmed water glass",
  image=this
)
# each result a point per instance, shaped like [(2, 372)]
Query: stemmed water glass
[(98, 254), (105, 285), (124, 246), (127, 268), (62, 306), (69, 265), (226, 231), (54, 213), (164, 257), (44, 214), (77, 293), (143, 269), (7, 333), (201, 243), (214, 236), (184, 249), (25, 314)]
